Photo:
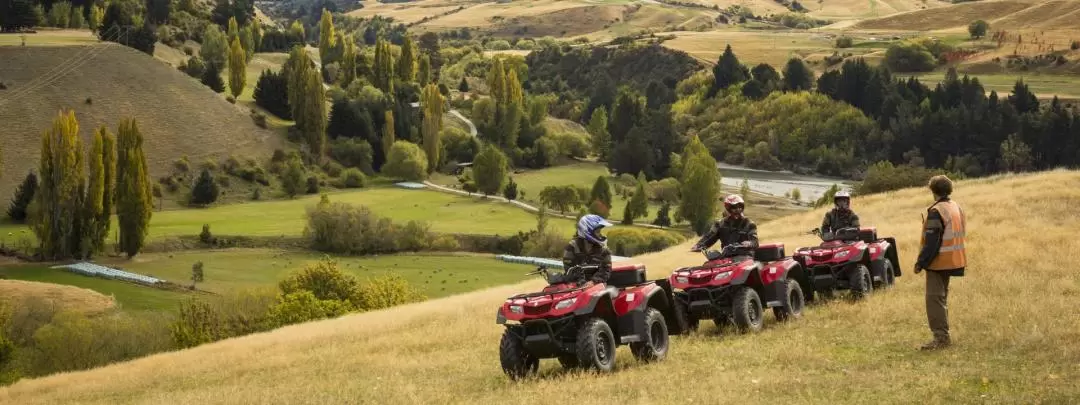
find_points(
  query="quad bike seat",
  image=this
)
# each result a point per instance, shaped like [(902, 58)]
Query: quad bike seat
[(868, 234), (769, 252), (624, 275)]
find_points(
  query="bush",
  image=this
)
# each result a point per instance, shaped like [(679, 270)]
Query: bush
[(1075, 45), (387, 291), (333, 169), (303, 306), (205, 320), (547, 244), (352, 153), (909, 57), (312, 185), (349, 229), (844, 42), (571, 144), (406, 161), (883, 176), (498, 45), (458, 145), (205, 236), (325, 281), (182, 165), (73, 341), (353, 178), (205, 190), (627, 241)]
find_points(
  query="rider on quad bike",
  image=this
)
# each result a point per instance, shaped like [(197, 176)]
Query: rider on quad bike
[(734, 228), (589, 247), (840, 217)]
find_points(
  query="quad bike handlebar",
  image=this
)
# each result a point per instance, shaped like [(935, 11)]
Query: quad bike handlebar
[(838, 234), (716, 254), (574, 274)]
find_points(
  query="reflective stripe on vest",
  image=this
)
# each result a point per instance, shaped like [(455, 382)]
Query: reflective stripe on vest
[(951, 254)]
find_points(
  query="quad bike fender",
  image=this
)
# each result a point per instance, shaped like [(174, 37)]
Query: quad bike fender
[(750, 276), (499, 318), (600, 305), (663, 299), (892, 256), (778, 270)]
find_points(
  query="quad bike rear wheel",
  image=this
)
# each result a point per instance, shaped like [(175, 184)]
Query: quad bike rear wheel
[(516, 361), (859, 282), (890, 276), (791, 303), (654, 345), (596, 345), (747, 311), (683, 316)]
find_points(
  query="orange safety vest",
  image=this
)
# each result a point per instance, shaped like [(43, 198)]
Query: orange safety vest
[(951, 254)]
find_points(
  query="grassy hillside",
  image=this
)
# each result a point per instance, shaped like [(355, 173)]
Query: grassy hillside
[(127, 295), (964, 13), (1013, 342), (65, 296), (176, 114)]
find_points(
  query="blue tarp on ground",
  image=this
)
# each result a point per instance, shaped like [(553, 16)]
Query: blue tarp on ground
[(92, 269), (409, 184)]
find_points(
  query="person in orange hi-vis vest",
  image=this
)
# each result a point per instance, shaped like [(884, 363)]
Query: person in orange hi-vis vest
[(941, 254)]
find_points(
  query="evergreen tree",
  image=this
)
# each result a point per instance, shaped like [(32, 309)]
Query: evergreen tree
[(134, 196), (272, 93), (463, 86), (511, 190), (432, 103), (237, 68), (797, 76), (205, 191), (314, 122), (639, 203), (24, 195), (406, 63), (327, 38), (601, 139), (728, 71), (699, 186), (663, 216), (601, 190), (17, 14), (292, 179), (212, 78), (489, 170)]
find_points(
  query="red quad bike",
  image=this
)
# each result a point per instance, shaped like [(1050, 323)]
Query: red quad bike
[(731, 288), (854, 259), (582, 326)]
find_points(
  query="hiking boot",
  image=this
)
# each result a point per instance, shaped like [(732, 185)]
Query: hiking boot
[(936, 344)]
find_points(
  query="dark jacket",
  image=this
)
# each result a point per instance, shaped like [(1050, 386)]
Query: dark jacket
[(581, 251), (729, 231), (839, 219), (935, 227)]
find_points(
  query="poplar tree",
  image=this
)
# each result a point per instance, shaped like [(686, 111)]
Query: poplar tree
[(314, 121), (432, 102), (327, 37), (388, 137), (237, 68), (108, 160), (384, 68), (234, 29), (425, 70), (406, 63), (348, 63), (94, 200), (296, 72), (58, 210), (134, 195)]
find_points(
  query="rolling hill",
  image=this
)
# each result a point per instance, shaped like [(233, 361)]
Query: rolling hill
[(1001, 14), (64, 296), (104, 83), (1013, 335)]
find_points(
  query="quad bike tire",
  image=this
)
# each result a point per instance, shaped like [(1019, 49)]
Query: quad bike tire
[(684, 317), (890, 275), (746, 310), (516, 362), (654, 345), (860, 283), (596, 346), (791, 303)]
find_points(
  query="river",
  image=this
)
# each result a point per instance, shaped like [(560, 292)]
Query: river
[(779, 183)]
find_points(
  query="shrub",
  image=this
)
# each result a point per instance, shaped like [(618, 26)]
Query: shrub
[(332, 168), (303, 306), (325, 281), (352, 153), (353, 178), (312, 185), (205, 236), (458, 145), (568, 143), (387, 291), (909, 57), (883, 176), (1075, 45), (205, 320), (629, 241), (498, 45), (205, 190), (844, 42), (406, 161), (350, 229), (73, 341), (547, 244), (182, 165)]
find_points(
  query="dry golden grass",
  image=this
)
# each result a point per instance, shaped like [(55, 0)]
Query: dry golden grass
[(177, 115), (847, 9), (1013, 318), (484, 14), (63, 296), (752, 47), (952, 16), (405, 12)]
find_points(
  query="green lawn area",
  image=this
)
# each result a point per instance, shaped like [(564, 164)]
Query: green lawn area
[(437, 275), (445, 213), (1044, 86), (129, 296)]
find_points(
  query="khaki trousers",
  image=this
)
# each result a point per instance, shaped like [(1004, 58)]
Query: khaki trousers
[(937, 308)]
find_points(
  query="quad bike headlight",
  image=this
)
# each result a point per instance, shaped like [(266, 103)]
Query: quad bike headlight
[(842, 254), (565, 303), (516, 309), (682, 280), (722, 275)]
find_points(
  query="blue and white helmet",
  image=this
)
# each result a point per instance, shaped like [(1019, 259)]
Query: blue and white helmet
[(589, 227)]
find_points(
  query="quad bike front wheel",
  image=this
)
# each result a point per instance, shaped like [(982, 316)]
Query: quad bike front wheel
[(859, 282), (746, 310), (596, 346), (654, 345), (516, 362), (791, 303)]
